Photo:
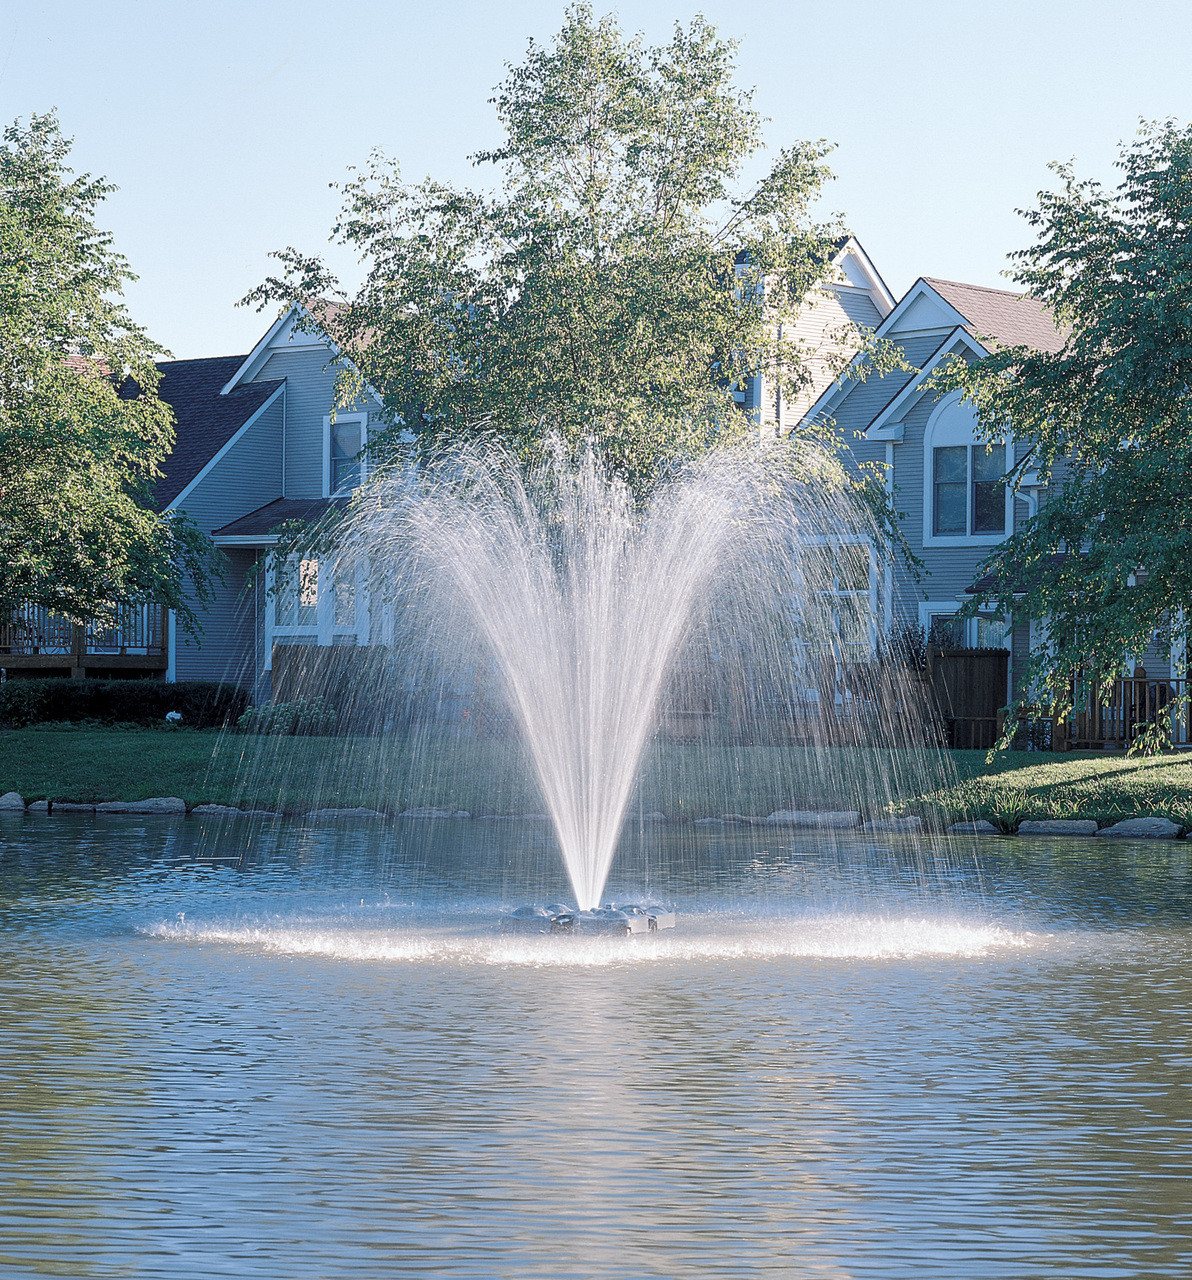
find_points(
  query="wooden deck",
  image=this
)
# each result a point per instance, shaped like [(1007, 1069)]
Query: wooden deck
[(38, 642)]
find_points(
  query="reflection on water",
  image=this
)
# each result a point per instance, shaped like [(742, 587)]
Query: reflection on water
[(238, 1051)]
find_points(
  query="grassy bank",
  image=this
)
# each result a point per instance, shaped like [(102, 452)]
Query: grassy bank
[(296, 774)]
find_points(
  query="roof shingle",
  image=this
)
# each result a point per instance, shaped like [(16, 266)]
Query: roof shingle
[(1011, 319), (204, 420)]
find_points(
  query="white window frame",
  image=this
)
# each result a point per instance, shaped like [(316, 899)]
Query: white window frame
[(324, 630), (955, 423), (362, 419), (929, 609)]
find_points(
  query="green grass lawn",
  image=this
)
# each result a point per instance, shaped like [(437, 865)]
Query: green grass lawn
[(295, 774)]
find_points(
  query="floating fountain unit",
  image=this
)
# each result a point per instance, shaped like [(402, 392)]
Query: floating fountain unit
[(614, 919)]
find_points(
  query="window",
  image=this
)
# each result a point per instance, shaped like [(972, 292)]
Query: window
[(992, 633), (951, 486), (298, 598), (965, 495), (964, 506), (346, 461), (945, 630), (849, 578)]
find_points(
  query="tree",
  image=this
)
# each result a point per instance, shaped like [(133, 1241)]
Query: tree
[(1107, 561), (79, 448), (618, 286)]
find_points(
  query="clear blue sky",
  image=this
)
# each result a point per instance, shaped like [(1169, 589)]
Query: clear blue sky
[(224, 123)]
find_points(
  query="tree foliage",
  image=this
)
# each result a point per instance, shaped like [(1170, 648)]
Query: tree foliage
[(1107, 560), (611, 288), (78, 454)]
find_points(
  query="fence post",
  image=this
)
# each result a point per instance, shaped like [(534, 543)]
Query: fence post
[(78, 652)]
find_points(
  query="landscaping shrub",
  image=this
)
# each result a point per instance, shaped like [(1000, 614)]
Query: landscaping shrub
[(203, 704), (302, 717)]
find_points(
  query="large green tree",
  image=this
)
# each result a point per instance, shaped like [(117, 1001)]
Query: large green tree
[(79, 454), (1107, 561), (618, 284)]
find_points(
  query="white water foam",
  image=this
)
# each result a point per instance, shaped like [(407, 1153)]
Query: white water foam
[(841, 937)]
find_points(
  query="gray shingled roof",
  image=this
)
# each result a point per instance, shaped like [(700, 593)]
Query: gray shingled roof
[(263, 521), (204, 420), (1012, 319)]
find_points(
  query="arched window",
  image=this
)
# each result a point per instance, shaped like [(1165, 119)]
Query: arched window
[(965, 497)]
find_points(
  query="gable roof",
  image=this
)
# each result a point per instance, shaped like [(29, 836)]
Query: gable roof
[(1011, 319), (973, 311), (204, 419)]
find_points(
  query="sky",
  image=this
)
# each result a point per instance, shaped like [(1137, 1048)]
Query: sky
[(225, 124)]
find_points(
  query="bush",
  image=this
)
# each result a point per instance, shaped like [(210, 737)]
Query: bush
[(203, 704), (303, 717)]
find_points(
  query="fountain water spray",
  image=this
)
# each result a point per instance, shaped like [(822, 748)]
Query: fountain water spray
[(589, 602)]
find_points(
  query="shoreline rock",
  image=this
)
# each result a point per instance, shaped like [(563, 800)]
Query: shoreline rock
[(169, 805), (980, 828), (815, 819), (12, 802), (1057, 827), (1142, 829)]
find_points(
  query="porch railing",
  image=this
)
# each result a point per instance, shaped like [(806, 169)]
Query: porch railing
[(34, 635), (1135, 705)]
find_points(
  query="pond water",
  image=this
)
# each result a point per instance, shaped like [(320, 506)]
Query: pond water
[(306, 1052)]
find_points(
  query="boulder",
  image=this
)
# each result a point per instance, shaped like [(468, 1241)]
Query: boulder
[(461, 813), (709, 822), (12, 801), (261, 813), (821, 819), (155, 804), (425, 811), (980, 828), (912, 822), (217, 810), (1142, 829), (1057, 827), (320, 815), (69, 806), (39, 806)]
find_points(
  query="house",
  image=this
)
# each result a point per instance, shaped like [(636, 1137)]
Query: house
[(851, 293), (941, 478), (258, 444)]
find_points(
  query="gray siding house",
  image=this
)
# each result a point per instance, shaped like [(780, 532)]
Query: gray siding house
[(941, 478), (258, 444)]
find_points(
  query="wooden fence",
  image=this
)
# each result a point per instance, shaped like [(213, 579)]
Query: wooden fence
[(969, 689)]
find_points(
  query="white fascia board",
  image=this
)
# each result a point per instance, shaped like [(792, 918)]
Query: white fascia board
[(271, 342), (254, 357), (883, 299), (246, 540), (213, 462), (914, 387), (919, 290)]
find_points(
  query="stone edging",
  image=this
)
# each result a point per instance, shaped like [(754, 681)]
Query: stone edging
[(1138, 828)]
